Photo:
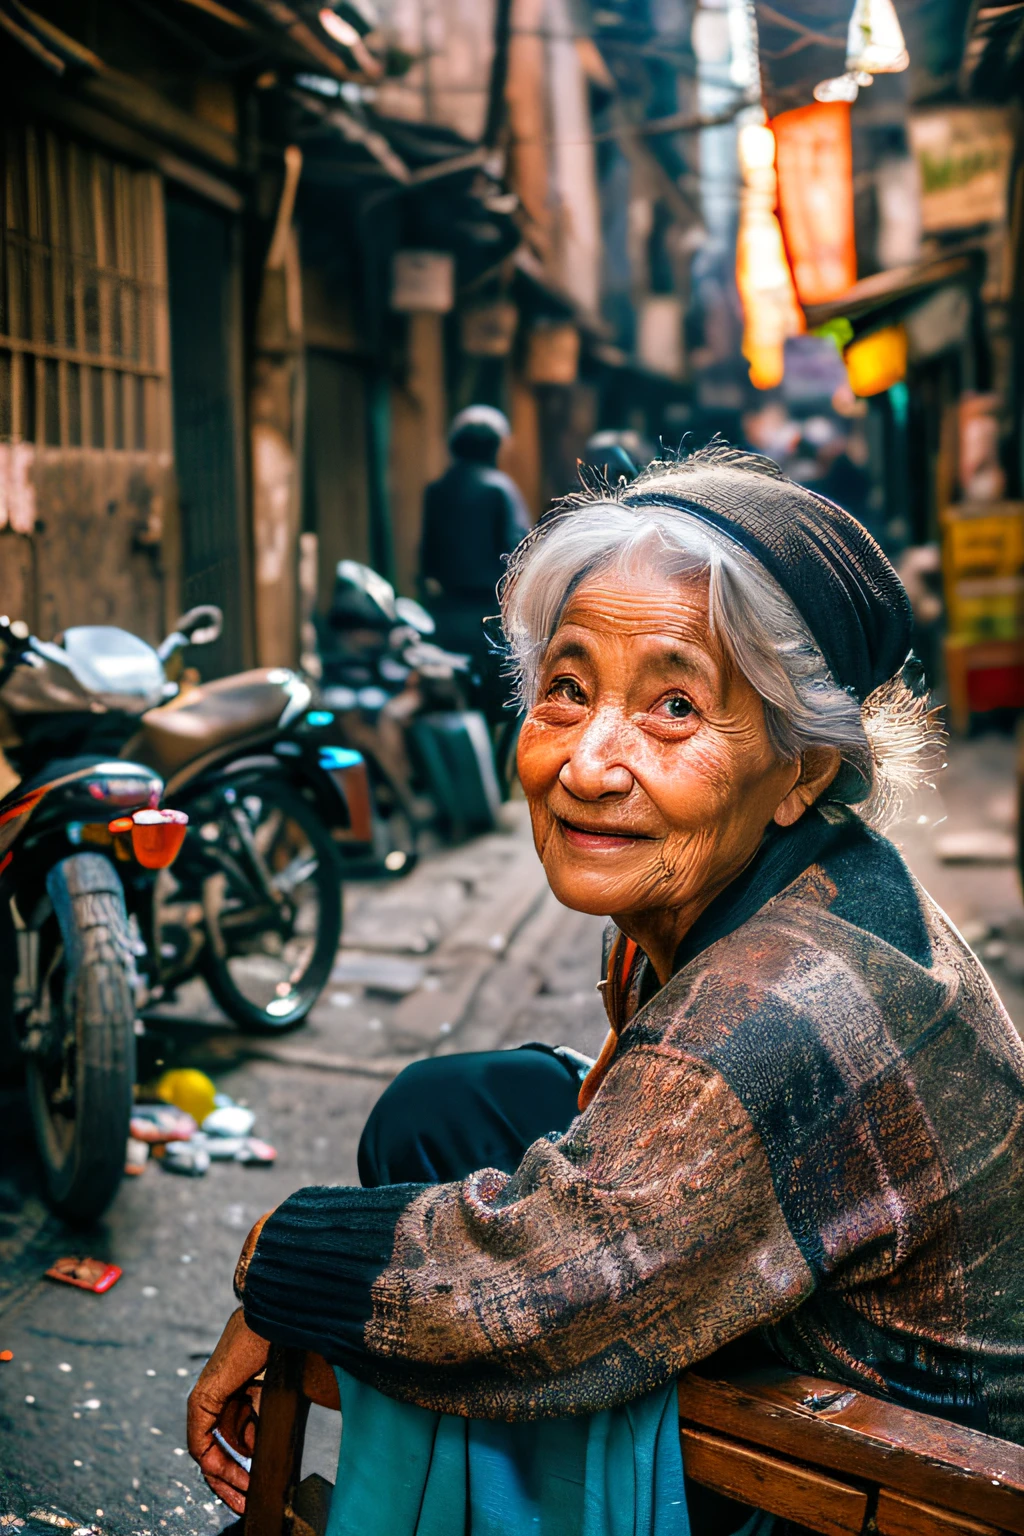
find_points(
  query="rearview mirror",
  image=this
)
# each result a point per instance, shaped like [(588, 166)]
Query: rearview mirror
[(202, 625), (415, 615)]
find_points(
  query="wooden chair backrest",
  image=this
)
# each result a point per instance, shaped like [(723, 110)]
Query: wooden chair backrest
[(827, 1457), (838, 1460)]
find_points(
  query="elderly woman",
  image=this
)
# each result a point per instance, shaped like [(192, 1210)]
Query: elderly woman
[(805, 1130)]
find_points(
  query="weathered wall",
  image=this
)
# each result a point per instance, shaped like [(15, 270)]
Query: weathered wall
[(336, 488), (418, 450), (84, 542)]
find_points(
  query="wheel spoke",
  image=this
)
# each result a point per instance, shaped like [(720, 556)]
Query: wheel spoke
[(272, 962), (302, 868)]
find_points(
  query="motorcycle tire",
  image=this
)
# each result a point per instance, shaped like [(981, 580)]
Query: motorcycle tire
[(274, 1018), (80, 1095)]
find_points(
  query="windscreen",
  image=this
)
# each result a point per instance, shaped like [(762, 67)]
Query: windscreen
[(112, 661)]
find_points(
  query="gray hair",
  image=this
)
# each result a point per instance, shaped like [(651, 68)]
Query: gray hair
[(888, 744)]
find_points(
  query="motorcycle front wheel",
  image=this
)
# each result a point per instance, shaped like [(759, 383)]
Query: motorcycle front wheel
[(80, 1083), (273, 910)]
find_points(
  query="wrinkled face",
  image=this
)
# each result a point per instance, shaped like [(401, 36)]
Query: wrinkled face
[(646, 760)]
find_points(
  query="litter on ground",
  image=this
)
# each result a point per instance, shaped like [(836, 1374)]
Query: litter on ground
[(191, 1125), (87, 1274)]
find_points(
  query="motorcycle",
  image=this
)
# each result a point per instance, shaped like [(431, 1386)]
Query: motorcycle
[(69, 983), (271, 790), (403, 702)]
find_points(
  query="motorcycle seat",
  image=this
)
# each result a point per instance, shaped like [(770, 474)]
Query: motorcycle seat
[(211, 717)]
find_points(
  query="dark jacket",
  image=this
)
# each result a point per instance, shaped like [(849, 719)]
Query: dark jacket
[(472, 516), (814, 1130)]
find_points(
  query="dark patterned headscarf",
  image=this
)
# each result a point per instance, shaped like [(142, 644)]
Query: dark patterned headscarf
[(827, 564)]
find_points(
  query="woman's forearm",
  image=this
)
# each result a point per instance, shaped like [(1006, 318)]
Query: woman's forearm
[(649, 1235), (311, 1268)]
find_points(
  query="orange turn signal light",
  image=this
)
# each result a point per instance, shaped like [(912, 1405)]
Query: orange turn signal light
[(156, 836)]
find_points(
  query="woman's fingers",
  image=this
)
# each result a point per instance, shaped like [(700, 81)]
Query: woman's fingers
[(217, 1463), (200, 1419), (237, 1424), (228, 1481), (239, 1356), (230, 1496), (223, 1399)]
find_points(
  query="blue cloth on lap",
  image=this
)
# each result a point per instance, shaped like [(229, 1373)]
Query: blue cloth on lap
[(405, 1471)]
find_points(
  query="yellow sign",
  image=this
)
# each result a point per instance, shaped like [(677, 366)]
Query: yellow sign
[(983, 566), (876, 362)]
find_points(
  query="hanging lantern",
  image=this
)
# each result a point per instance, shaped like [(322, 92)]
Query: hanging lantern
[(840, 88), (843, 87), (876, 362), (756, 149), (874, 46), (771, 313), (875, 43), (814, 159)]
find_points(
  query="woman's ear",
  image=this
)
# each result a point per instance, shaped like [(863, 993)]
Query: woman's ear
[(818, 767)]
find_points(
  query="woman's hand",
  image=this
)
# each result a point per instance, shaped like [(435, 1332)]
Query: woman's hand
[(226, 1398)]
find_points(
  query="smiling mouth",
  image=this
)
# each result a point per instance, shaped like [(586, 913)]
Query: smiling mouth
[(599, 840)]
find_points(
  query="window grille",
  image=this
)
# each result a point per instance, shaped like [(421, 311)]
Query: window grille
[(83, 298)]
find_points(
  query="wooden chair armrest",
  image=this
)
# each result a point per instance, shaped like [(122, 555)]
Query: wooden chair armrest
[(277, 1456), (841, 1430)]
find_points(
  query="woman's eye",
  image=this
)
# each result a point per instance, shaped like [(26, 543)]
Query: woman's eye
[(566, 688), (676, 707)]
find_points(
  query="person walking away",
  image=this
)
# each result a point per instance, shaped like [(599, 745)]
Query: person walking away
[(473, 516)]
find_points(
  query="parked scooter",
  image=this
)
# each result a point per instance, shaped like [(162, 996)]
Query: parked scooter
[(269, 786), (403, 702), (69, 982)]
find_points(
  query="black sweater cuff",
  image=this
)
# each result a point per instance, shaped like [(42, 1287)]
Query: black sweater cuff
[(309, 1283)]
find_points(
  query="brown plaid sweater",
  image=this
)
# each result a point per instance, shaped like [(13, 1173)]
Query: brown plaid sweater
[(815, 1131)]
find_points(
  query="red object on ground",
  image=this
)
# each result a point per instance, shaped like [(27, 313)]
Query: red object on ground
[(86, 1274), (6, 1354)]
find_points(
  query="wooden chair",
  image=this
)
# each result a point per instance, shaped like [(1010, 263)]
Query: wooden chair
[(826, 1457)]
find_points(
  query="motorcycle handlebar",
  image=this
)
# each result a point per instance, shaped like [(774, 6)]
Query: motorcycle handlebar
[(13, 632), (14, 638), (199, 626)]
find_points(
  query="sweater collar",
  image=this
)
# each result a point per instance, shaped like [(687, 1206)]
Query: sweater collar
[(785, 853)]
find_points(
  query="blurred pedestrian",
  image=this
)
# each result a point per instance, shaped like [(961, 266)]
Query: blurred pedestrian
[(770, 429), (473, 516), (615, 455)]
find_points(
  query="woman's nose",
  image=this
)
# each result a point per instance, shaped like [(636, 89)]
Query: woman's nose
[(595, 769)]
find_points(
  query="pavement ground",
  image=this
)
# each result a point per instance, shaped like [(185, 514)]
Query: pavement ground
[(470, 951)]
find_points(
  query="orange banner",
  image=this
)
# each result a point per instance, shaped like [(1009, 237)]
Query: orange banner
[(814, 163)]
